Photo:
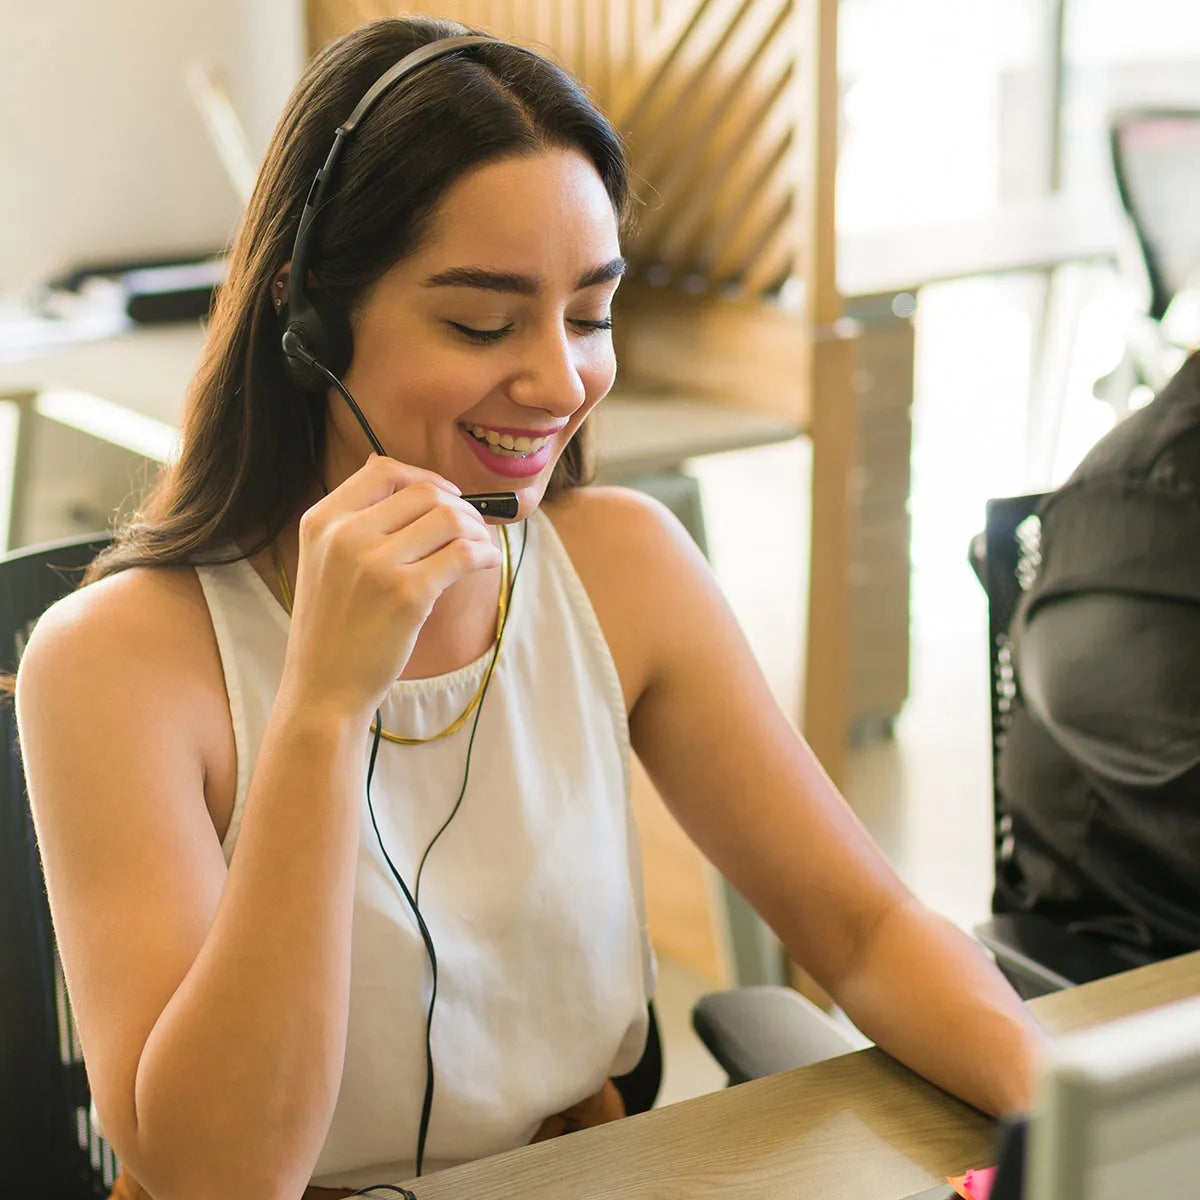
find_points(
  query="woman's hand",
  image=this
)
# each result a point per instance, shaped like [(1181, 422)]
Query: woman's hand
[(375, 554)]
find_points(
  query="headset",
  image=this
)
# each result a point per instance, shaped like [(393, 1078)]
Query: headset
[(315, 333)]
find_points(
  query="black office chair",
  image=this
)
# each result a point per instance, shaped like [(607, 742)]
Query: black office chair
[(49, 1143), (1155, 156), (1036, 954)]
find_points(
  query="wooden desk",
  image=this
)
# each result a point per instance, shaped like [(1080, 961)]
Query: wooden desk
[(860, 1127), (1031, 235)]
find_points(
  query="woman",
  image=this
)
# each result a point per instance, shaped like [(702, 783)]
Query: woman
[(230, 850)]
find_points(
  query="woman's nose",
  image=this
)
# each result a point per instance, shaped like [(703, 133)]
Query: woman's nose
[(552, 378)]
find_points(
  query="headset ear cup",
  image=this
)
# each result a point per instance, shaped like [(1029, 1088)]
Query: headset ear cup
[(337, 342), (325, 334)]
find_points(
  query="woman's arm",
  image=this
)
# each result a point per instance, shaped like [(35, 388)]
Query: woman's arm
[(747, 789), (932, 998), (211, 1007)]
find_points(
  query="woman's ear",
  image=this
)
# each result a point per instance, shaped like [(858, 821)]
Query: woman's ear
[(279, 287)]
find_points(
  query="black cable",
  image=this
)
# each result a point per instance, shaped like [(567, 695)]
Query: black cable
[(427, 1101), (470, 744), (293, 346)]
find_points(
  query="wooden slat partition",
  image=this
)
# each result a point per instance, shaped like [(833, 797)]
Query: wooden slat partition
[(710, 97)]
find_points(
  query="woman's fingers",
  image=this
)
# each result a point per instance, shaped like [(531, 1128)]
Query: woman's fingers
[(429, 532), (377, 479), (375, 556), (404, 507), (456, 559)]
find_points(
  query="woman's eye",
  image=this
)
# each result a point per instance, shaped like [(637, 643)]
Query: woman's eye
[(594, 326), (486, 336), (483, 336)]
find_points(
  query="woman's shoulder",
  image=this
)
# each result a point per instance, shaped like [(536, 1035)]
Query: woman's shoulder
[(132, 660), (149, 623), (636, 562), (141, 600), (610, 527)]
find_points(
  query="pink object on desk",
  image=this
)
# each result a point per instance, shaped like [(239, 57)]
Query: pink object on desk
[(974, 1185)]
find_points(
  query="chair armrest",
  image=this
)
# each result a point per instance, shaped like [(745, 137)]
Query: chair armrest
[(757, 1031), (1040, 954)]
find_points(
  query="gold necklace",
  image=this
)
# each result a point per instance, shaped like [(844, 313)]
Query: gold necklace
[(501, 621)]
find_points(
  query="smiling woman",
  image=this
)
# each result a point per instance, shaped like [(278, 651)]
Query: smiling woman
[(308, 947), (251, 445), (498, 320), (459, 283)]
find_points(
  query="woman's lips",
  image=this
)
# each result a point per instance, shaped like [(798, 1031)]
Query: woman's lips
[(510, 466)]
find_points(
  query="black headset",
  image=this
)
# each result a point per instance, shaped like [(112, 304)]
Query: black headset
[(317, 342), (316, 336)]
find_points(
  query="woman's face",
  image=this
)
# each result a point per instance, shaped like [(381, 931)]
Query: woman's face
[(479, 355)]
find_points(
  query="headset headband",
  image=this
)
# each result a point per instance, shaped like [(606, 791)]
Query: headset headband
[(297, 300)]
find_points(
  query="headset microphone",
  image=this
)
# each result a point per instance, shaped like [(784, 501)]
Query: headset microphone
[(487, 504)]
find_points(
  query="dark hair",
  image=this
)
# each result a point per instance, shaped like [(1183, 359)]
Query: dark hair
[(251, 437)]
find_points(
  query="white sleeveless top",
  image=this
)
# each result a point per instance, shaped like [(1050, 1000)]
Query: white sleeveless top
[(533, 895)]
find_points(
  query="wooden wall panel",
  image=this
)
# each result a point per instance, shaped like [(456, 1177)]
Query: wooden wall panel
[(712, 97)]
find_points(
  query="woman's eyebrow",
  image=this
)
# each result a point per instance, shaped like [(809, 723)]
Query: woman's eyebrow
[(523, 285), (613, 269)]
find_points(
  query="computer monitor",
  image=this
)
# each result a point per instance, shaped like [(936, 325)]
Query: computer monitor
[(1118, 1114)]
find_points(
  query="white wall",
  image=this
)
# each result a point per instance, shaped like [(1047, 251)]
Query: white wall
[(104, 153)]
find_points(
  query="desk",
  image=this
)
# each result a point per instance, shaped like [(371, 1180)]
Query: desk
[(147, 370), (1055, 237), (1030, 235), (859, 1127)]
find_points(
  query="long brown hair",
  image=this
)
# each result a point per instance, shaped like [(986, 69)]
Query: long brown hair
[(251, 438)]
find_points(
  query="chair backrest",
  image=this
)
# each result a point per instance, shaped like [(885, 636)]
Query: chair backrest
[(48, 1142), (1156, 160), (1012, 555)]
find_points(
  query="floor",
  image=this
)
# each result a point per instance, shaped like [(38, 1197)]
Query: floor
[(925, 795)]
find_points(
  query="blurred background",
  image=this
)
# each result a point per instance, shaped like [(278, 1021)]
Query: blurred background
[(897, 257)]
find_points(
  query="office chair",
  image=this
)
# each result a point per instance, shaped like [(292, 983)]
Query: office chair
[(49, 1143), (1036, 954), (1155, 156)]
